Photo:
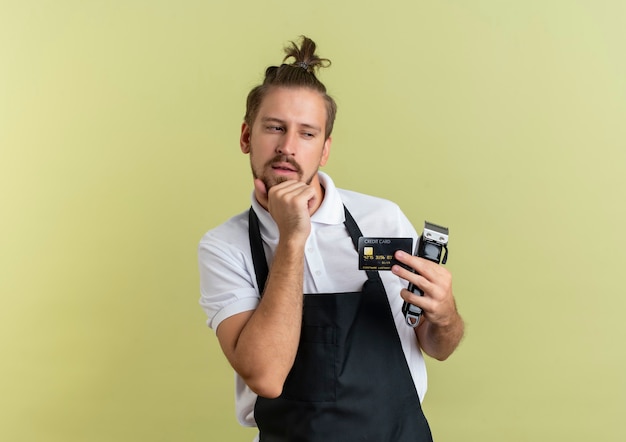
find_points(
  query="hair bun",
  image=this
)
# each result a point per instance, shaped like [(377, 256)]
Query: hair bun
[(305, 56)]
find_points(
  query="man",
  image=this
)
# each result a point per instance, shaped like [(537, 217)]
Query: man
[(321, 349)]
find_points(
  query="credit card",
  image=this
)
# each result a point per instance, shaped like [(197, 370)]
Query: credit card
[(377, 253)]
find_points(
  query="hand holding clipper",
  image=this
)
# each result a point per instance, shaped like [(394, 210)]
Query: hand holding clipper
[(430, 246)]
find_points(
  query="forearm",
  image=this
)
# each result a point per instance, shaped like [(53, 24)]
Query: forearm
[(266, 348), (440, 340)]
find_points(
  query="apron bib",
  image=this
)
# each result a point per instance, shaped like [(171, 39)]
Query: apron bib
[(350, 380)]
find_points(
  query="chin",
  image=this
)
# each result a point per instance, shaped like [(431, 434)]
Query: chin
[(270, 182)]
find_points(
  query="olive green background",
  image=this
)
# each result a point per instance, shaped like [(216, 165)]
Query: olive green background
[(119, 125)]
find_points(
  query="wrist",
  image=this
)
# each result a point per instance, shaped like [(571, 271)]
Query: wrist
[(448, 322), (293, 239), (293, 244)]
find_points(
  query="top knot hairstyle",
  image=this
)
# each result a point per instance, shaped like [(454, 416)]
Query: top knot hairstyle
[(300, 73)]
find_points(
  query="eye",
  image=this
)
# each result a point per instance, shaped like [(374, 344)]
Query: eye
[(274, 128)]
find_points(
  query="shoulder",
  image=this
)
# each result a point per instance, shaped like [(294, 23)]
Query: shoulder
[(356, 202), (367, 201), (230, 232), (226, 243), (363, 206), (376, 216)]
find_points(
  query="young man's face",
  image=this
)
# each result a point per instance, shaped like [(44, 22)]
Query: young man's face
[(287, 138)]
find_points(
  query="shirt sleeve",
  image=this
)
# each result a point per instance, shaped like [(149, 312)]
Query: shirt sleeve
[(405, 227), (227, 282)]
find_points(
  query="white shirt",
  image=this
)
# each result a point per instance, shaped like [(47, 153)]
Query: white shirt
[(228, 283)]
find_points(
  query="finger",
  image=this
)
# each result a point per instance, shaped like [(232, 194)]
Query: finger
[(309, 196), (418, 280), (295, 191), (404, 273), (424, 267), (422, 302), (284, 188)]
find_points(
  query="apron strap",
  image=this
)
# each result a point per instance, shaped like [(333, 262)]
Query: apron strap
[(258, 254), (355, 234)]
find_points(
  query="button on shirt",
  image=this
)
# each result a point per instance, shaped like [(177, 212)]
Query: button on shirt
[(228, 284)]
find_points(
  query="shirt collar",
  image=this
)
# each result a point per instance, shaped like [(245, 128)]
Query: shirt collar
[(331, 209)]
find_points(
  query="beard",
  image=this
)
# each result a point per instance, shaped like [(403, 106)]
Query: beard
[(270, 180)]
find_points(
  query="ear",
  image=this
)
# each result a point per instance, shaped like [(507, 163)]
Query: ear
[(326, 151), (244, 139)]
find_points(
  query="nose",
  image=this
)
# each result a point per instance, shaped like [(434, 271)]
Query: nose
[(287, 144)]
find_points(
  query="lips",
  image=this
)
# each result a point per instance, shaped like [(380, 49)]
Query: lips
[(284, 167)]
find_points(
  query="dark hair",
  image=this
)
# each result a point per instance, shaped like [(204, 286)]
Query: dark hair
[(300, 73)]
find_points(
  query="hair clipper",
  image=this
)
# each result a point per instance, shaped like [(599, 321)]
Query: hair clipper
[(432, 245)]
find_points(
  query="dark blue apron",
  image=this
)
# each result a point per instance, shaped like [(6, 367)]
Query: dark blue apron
[(350, 380)]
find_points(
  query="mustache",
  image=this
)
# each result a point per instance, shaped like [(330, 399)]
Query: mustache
[(284, 159)]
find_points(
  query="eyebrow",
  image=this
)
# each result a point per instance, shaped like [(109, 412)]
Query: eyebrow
[(282, 122)]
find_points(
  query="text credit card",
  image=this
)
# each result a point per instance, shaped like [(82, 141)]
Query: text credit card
[(377, 253)]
